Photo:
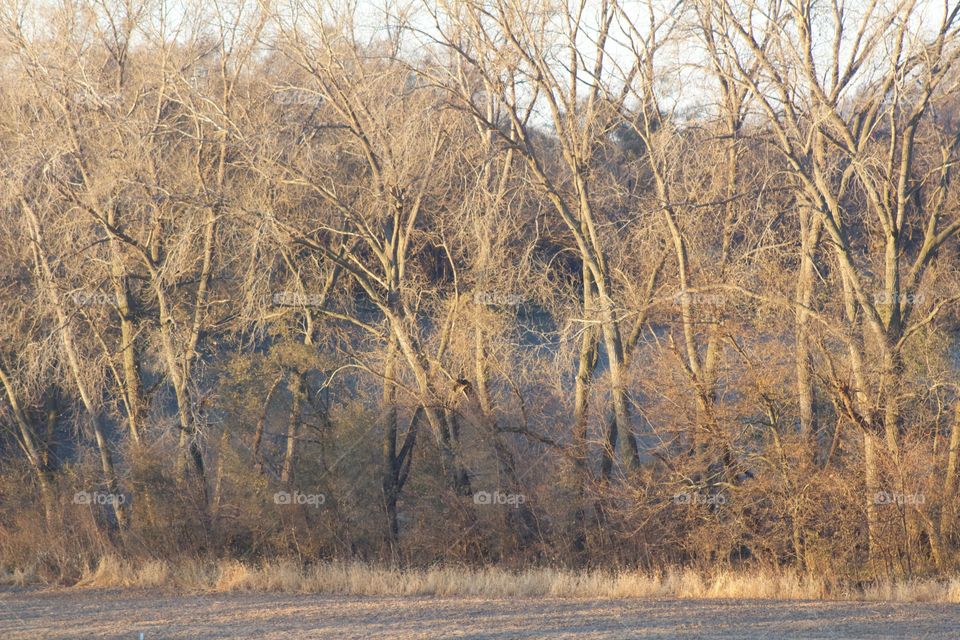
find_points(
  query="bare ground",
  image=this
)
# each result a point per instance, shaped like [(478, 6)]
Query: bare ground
[(75, 614)]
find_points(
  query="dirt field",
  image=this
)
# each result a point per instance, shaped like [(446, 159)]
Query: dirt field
[(116, 614)]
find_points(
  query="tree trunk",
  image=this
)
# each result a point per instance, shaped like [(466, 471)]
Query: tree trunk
[(293, 428), (440, 420), (188, 446), (585, 367), (947, 522), (132, 392), (862, 405), (809, 239), (256, 444), (31, 449), (73, 361), (391, 464)]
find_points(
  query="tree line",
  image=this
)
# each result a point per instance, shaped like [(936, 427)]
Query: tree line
[(588, 283)]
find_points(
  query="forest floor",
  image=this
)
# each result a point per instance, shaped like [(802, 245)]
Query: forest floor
[(139, 614)]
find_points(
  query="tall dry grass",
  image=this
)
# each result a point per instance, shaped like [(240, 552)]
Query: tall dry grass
[(365, 580)]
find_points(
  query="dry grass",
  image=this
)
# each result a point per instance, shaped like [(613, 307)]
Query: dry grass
[(19, 577), (365, 580), (916, 591)]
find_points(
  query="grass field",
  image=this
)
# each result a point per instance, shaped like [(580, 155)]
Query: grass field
[(72, 614)]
